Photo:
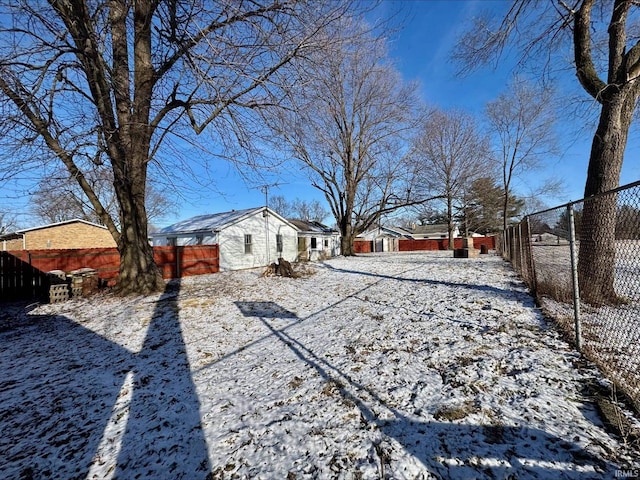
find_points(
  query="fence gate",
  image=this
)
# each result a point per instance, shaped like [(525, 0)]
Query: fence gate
[(20, 281)]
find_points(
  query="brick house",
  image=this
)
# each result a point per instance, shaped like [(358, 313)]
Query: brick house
[(62, 235)]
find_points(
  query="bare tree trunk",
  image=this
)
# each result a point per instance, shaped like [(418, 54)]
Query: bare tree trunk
[(596, 265), (138, 270), (450, 221), (346, 240), (505, 209), (130, 151)]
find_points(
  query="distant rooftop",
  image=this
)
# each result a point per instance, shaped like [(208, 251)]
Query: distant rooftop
[(311, 226)]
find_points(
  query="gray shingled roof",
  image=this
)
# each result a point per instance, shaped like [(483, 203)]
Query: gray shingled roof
[(427, 229), (315, 227), (206, 223)]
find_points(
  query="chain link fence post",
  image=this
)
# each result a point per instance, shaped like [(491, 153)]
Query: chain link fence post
[(520, 248), (530, 262)]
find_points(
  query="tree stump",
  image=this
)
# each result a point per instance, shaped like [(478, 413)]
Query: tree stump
[(284, 268), (270, 270)]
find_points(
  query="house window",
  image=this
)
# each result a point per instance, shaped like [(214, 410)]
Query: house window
[(172, 241), (199, 239), (314, 243), (326, 243), (247, 243), (279, 242)]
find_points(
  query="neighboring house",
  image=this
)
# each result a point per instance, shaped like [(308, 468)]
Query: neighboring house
[(384, 232), (62, 235), (248, 238), (384, 239), (414, 232), (436, 231), (316, 241)]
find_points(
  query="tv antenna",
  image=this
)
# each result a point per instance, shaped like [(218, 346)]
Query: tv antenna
[(265, 189)]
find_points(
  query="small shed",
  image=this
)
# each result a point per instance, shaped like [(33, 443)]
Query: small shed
[(316, 241), (249, 238), (69, 234)]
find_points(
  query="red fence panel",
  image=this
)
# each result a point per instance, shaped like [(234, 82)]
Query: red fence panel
[(362, 246), (490, 242), (105, 261), (200, 260), (408, 245), (166, 258), (174, 262)]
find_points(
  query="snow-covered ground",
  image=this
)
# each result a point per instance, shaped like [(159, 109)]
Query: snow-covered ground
[(403, 366)]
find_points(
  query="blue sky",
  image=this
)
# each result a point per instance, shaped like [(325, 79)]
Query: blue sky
[(421, 50)]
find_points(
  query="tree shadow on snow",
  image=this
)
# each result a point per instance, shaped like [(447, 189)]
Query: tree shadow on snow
[(164, 437), (503, 292), (447, 449), (74, 404)]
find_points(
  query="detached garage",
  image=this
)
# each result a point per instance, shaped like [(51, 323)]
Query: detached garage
[(248, 238)]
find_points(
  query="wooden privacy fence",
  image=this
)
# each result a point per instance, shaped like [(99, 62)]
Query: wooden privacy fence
[(177, 262), (363, 246), (443, 244), (174, 262), (21, 281), (105, 261)]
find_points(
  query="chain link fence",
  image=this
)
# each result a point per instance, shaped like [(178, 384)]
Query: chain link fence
[(582, 262)]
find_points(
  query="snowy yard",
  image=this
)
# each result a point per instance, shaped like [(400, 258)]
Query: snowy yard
[(402, 366)]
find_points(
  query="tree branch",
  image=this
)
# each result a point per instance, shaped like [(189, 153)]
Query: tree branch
[(585, 68), (40, 126)]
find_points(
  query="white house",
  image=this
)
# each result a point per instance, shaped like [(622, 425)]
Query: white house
[(316, 241), (248, 238)]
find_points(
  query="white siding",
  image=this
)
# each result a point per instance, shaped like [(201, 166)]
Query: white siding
[(185, 239), (261, 229), (321, 251)]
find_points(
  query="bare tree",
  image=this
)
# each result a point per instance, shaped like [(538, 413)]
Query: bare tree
[(311, 211), (7, 223), (91, 83), (58, 197), (345, 127), (281, 206), (523, 126), (449, 154), (606, 61)]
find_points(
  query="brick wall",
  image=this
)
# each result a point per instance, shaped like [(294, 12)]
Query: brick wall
[(11, 244), (70, 235)]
